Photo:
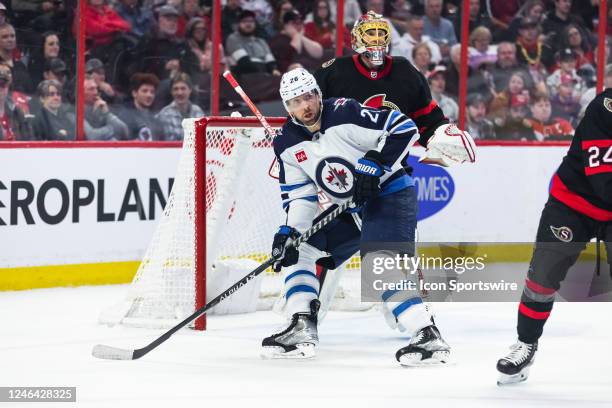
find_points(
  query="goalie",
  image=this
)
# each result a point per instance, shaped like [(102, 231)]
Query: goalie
[(349, 151)]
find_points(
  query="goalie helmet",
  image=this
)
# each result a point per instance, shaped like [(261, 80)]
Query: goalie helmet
[(297, 82), (371, 35)]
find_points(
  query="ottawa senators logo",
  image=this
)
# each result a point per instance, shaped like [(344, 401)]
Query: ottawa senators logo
[(563, 234), (379, 101), (328, 63), (608, 104)]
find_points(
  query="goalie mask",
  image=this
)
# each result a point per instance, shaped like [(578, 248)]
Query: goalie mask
[(371, 35), (296, 85)]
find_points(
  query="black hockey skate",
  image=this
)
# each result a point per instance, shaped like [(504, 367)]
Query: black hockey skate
[(514, 367), (296, 341), (427, 347)]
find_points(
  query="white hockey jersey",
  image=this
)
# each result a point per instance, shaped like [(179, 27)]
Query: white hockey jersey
[(326, 159)]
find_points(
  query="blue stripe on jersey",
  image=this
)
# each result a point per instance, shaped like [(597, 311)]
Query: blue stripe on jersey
[(397, 185), (393, 116), (291, 187), (312, 199), (404, 127), (297, 273), (405, 305), (387, 294), (300, 288)]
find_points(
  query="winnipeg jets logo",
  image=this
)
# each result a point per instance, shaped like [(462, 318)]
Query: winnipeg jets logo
[(563, 234), (379, 101), (335, 177)]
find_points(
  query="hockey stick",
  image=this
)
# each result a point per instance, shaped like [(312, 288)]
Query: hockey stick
[(230, 78), (115, 353)]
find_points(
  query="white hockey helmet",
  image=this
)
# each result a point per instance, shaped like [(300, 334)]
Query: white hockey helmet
[(297, 82)]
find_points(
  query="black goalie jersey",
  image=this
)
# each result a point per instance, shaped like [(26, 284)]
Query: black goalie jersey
[(584, 179), (398, 85)]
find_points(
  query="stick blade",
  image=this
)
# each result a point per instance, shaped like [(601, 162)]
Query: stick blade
[(112, 353)]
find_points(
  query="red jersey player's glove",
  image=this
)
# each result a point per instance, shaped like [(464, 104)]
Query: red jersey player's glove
[(449, 146)]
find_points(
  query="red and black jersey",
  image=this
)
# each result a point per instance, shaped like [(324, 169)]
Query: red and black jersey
[(398, 85), (584, 179)]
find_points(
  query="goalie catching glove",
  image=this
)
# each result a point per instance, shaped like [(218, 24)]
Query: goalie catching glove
[(368, 171), (284, 253), (449, 146)]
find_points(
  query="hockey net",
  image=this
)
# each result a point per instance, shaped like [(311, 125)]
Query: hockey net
[(217, 226)]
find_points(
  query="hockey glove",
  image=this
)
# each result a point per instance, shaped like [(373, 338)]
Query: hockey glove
[(285, 254), (449, 146), (368, 171)]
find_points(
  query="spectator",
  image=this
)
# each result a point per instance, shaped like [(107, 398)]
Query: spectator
[(100, 123), (477, 81), (171, 116), (481, 50), (8, 43), (531, 51), (516, 88), (477, 123), (39, 15), (291, 45), (102, 23), (533, 9), (421, 55), (477, 18), (413, 36), (502, 12), (53, 121), (189, 10), (352, 11), (591, 93), (137, 113), (161, 51), (565, 103), (140, 18), (263, 12), (199, 55), (506, 65), (437, 84), (438, 28), (21, 100), (49, 48), (567, 66), (95, 69), (281, 8), (572, 38), (400, 11), (230, 17), (247, 53), (13, 122), (56, 69), (559, 18), (3, 16), (544, 128), (516, 127), (321, 29)]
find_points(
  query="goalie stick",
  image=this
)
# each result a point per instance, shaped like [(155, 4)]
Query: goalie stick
[(115, 353)]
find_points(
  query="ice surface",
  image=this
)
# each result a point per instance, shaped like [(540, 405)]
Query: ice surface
[(46, 338)]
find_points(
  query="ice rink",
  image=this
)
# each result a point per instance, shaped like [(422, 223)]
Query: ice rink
[(46, 337)]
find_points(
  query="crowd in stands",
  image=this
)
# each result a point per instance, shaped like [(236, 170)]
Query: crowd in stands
[(531, 63)]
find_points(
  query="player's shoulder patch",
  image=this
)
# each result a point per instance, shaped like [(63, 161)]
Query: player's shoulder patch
[(328, 63), (607, 103)]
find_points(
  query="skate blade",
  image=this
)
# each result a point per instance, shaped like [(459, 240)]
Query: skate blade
[(505, 379), (303, 351), (416, 359)]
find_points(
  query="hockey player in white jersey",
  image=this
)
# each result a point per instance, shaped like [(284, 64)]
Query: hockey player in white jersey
[(348, 151)]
